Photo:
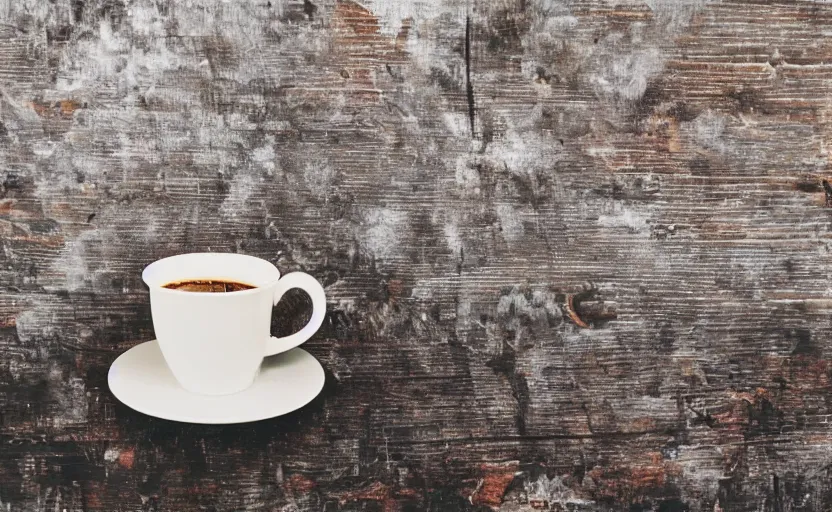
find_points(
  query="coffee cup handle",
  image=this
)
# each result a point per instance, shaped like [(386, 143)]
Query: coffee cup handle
[(315, 291)]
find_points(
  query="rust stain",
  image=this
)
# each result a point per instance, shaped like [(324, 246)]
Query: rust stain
[(631, 483), (376, 491), (572, 314), (409, 493), (93, 496), (401, 37), (356, 17), (492, 487), (127, 457), (6, 206), (298, 484), (68, 107), (62, 108), (641, 425), (664, 130)]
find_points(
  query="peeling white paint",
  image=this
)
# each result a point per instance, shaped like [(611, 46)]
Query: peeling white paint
[(391, 14), (265, 155)]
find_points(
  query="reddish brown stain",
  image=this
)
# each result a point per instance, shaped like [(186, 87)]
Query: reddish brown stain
[(356, 17), (298, 484), (632, 483), (808, 374), (495, 481), (376, 491), (6, 206), (127, 457), (361, 46), (93, 496), (401, 37), (394, 288), (62, 108), (408, 493), (572, 313)]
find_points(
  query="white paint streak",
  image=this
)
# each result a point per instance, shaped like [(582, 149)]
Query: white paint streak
[(627, 76), (452, 237), (382, 231), (112, 58), (69, 397), (265, 155), (511, 223), (242, 186), (624, 218), (319, 177), (708, 128), (391, 14), (467, 177), (111, 454)]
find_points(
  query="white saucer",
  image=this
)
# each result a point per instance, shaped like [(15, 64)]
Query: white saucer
[(141, 380)]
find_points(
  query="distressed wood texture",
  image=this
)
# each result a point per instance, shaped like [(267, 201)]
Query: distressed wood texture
[(577, 253)]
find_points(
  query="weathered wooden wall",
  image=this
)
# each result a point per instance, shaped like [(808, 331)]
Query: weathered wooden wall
[(577, 252)]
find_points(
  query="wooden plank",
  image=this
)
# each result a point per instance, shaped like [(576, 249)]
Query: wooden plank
[(576, 253)]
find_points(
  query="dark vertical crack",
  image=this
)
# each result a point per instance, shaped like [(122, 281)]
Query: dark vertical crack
[(469, 87), (506, 365), (309, 9)]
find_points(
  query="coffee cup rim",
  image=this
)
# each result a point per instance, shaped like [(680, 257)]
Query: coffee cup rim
[(157, 284)]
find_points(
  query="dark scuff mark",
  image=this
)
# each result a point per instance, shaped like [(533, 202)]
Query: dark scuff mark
[(113, 10), (506, 365), (808, 185), (802, 339), (828, 189), (747, 100), (443, 79), (775, 487), (77, 10), (58, 35), (90, 218), (12, 182), (673, 505), (309, 9), (469, 87), (223, 186)]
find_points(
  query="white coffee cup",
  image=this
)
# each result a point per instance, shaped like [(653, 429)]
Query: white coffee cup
[(214, 342)]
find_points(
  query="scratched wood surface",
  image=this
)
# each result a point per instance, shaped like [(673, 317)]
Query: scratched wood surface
[(576, 252)]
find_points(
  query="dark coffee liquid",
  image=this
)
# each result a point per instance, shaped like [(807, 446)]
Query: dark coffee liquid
[(208, 285)]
